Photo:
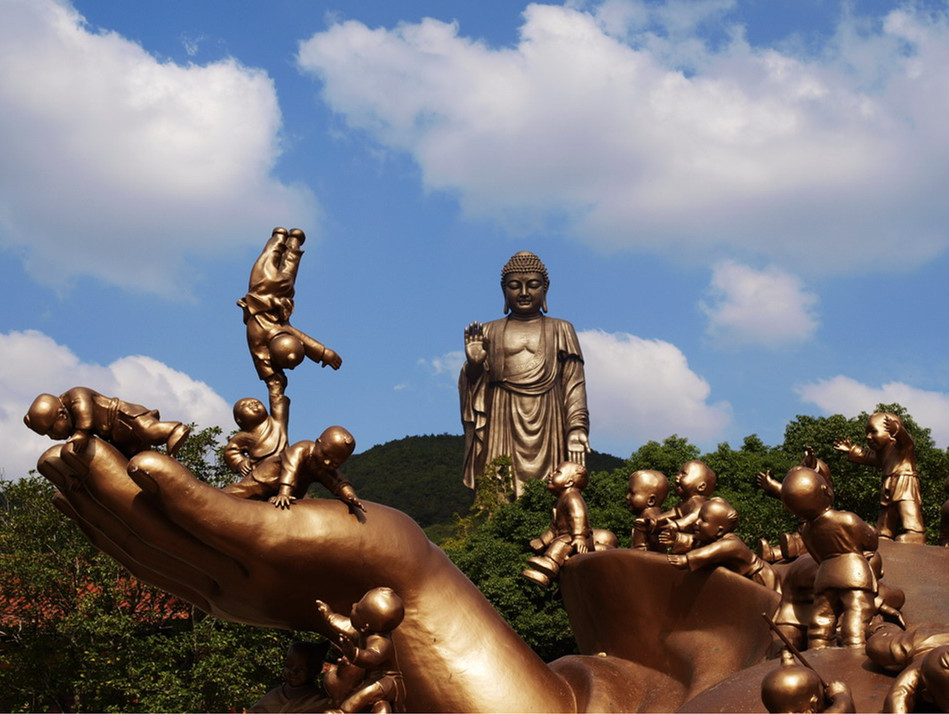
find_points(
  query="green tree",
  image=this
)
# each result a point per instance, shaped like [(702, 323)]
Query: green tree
[(492, 550), (857, 487), (760, 516), (666, 457)]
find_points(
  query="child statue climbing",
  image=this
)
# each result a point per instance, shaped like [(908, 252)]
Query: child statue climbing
[(275, 344)]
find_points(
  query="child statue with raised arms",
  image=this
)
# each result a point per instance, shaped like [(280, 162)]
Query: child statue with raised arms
[(260, 437), (694, 484), (892, 449), (366, 677), (275, 344)]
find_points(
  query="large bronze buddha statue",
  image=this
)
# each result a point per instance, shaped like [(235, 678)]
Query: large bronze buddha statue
[(522, 387)]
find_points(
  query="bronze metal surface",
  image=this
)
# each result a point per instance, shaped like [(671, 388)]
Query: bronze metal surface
[(632, 605), (742, 691), (246, 561), (666, 635), (522, 388)]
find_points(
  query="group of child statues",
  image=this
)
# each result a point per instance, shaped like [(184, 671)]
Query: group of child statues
[(828, 573), (258, 452), (270, 469)]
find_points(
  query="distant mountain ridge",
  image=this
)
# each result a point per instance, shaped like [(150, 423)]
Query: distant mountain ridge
[(422, 476)]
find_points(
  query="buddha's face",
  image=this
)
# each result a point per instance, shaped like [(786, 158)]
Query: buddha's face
[(524, 293)]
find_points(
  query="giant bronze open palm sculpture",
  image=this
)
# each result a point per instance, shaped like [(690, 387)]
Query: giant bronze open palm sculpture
[(247, 561), (654, 637)]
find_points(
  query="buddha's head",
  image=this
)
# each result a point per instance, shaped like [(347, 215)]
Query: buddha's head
[(524, 282)]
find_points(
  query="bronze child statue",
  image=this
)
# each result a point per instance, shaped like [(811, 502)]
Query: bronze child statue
[(791, 544), (840, 542), (645, 492), (794, 688), (275, 344), (714, 544), (260, 436), (80, 413), (569, 531), (283, 478), (694, 484), (892, 449), (920, 656), (366, 677)]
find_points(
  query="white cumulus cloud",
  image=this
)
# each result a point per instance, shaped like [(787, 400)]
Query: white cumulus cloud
[(449, 363), (662, 141), (767, 307), (43, 365), (844, 395), (121, 166), (639, 390)]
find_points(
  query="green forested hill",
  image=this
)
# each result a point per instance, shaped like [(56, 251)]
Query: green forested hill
[(421, 475)]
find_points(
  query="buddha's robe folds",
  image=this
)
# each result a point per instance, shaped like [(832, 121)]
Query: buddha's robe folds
[(525, 414)]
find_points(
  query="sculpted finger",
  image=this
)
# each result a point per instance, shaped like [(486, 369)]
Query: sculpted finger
[(51, 466), (93, 517), (241, 528), (140, 571), (159, 542)]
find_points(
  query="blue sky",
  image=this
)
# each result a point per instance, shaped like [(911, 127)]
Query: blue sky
[(741, 204)]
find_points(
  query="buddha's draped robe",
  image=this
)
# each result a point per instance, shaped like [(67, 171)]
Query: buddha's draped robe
[(525, 415)]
